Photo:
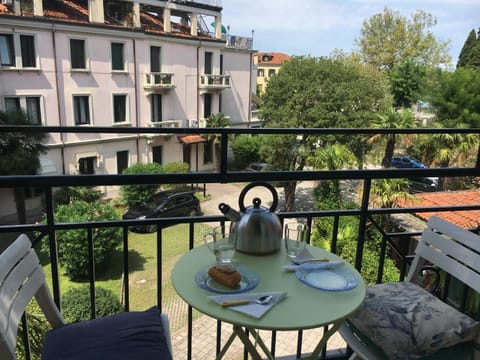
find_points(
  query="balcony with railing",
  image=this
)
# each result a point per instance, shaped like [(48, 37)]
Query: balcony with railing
[(144, 280), (158, 82), (214, 83)]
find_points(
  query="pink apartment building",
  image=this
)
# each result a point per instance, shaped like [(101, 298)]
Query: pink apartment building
[(147, 63)]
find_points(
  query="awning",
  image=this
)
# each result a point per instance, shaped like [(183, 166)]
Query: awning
[(191, 139)]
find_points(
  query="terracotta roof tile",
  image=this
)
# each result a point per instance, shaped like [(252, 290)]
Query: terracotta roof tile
[(467, 219), (76, 11), (275, 58)]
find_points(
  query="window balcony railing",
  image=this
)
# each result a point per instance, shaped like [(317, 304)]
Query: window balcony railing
[(153, 286), (210, 82), (158, 82), (239, 42)]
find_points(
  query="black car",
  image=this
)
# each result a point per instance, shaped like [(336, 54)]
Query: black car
[(405, 161), (169, 203), (423, 184)]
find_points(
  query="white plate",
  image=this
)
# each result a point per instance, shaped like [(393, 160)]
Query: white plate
[(338, 279), (249, 281)]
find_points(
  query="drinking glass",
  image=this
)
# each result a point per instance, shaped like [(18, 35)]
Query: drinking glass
[(295, 239), (221, 240)]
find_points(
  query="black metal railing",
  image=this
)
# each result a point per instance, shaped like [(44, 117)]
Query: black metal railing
[(366, 215)]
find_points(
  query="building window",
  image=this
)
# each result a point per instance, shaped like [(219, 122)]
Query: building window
[(86, 165), (157, 154), (271, 72), (118, 61), (30, 105), (77, 54), (260, 73), (7, 52), (33, 109), (207, 105), (27, 46), (122, 161), (208, 62), (207, 152), (81, 109), (155, 61), (12, 104), (119, 108), (156, 108)]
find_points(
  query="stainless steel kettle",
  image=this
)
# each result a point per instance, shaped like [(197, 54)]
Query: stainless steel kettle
[(258, 229)]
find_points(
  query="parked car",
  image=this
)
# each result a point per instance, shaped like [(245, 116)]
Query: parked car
[(423, 184), (256, 166), (260, 166), (405, 161), (169, 203)]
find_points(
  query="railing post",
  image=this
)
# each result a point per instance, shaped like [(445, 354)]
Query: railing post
[(52, 241), (363, 223)]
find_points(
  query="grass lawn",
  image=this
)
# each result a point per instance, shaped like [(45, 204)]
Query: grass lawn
[(142, 266)]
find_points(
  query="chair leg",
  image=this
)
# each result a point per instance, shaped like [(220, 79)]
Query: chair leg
[(354, 356)]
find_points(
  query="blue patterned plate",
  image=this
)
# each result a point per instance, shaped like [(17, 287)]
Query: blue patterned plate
[(337, 279), (249, 281)]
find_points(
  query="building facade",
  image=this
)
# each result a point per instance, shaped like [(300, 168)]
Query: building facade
[(267, 64), (122, 64)]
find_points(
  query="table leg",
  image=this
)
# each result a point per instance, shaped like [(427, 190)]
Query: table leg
[(249, 346), (323, 341)]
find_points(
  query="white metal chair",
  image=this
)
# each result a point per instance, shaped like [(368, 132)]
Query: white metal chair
[(128, 335), (450, 248)]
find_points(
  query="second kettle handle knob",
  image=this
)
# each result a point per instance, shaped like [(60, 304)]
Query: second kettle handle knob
[(241, 199)]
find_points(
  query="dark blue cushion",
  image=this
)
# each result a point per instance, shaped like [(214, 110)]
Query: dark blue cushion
[(128, 335)]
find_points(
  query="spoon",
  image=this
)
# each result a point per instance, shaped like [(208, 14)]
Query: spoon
[(262, 300)]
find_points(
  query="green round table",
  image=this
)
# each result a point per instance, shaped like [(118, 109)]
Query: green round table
[(303, 308)]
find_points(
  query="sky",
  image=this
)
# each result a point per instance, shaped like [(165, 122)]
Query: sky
[(317, 27)]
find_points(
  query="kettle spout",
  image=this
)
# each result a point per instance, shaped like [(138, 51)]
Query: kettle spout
[(230, 214)]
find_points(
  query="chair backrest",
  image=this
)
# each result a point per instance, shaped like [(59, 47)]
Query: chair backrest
[(21, 278), (451, 248)]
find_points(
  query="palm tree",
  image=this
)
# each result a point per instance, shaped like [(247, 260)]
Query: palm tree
[(387, 193), (392, 119), (333, 157), (19, 154), (217, 121)]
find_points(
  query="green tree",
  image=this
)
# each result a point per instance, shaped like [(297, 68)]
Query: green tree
[(388, 38), (217, 121), (392, 119), (246, 150), (69, 194), (312, 92), (72, 244), (19, 154), (406, 80), (470, 53), (454, 97), (136, 194)]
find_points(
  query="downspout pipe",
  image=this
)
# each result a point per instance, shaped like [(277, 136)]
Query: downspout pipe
[(55, 68)]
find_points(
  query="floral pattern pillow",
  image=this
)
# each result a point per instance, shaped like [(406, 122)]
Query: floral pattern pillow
[(407, 322)]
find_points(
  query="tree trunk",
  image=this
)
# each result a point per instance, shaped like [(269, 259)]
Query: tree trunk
[(389, 150), (289, 190), (19, 196)]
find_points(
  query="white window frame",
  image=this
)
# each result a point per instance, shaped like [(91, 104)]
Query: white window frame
[(90, 109), (86, 54), (17, 52), (124, 57), (127, 109), (23, 104)]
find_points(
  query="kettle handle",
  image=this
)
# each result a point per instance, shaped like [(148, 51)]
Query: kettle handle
[(255, 184)]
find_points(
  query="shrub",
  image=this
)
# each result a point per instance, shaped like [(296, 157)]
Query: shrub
[(176, 168), (76, 303), (136, 194), (72, 244), (69, 194), (245, 150)]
